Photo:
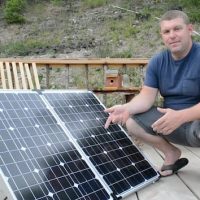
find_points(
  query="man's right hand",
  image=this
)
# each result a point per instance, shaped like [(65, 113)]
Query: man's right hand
[(119, 114)]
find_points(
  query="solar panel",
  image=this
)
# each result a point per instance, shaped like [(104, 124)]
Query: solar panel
[(53, 145), (113, 154), (38, 160)]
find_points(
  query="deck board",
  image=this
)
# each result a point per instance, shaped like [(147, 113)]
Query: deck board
[(183, 186), (191, 174)]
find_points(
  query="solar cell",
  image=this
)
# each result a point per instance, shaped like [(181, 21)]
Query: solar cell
[(37, 158), (116, 158)]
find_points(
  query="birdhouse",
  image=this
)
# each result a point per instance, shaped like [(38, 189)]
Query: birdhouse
[(113, 79)]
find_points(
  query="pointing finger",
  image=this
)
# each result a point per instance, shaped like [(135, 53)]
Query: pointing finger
[(109, 110), (109, 120)]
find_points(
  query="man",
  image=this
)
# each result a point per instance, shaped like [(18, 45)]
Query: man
[(175, 73)]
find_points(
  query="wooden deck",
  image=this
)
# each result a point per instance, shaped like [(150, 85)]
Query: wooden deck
[(183, 186)]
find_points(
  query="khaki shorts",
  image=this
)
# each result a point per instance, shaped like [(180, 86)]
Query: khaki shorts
[(187, 134)]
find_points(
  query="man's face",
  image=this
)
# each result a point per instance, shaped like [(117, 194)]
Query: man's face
[(176, 36)]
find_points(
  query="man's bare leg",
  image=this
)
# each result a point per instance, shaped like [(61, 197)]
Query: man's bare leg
[(170, 152)]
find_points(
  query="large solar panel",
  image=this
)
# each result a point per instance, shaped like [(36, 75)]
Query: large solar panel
[(37, 158), (53, 145)]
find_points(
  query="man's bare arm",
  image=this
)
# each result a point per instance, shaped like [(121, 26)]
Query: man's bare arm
[(141, 103)]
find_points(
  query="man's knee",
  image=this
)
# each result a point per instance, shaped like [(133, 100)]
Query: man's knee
[(133, 128), (194, 134)]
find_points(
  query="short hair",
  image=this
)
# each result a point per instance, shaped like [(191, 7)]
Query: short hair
[(173, 14)]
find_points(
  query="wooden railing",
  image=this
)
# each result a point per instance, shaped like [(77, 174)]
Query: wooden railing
[(89, 61), (85, 73)]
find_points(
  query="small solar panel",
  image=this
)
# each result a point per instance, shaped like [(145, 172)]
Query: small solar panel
[(53, 145)]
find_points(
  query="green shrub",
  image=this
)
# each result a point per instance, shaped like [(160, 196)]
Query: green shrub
[(13, 11)]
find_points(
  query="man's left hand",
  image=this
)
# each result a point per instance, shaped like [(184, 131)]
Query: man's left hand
[(170, 121)]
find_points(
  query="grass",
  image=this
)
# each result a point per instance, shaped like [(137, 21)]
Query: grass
[(25, 47), (113, 29), (122, 54), (122, 28), (103, 51), (57, 2), (122, 33), (94, 3)]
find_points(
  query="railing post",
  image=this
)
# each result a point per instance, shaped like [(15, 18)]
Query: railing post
[(105, 67), (47, 76), (125, 68), (87, 76), (67, 76), (142, 72)]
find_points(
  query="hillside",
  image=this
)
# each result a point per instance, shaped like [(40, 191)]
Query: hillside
[(75, 29)]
